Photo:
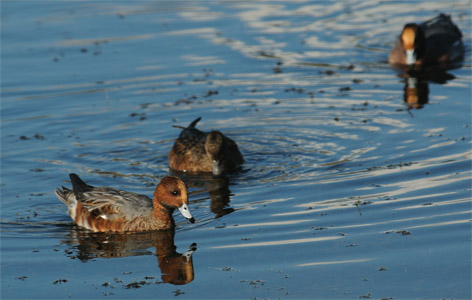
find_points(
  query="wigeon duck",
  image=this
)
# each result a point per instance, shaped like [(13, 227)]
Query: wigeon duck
[(435, 42), (107, 209), (198, 151)]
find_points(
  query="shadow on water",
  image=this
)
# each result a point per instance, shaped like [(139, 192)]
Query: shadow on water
[(176, 268)]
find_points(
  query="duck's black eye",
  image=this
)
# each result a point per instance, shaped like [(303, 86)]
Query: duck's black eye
[(174, 193)]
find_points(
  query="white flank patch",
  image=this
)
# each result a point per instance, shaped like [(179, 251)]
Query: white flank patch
[(73, 207), (86, 224)]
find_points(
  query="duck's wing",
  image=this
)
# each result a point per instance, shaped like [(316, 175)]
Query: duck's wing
[(111, 204), (442, 27), (443, 39), (188, 152), (191, 140)]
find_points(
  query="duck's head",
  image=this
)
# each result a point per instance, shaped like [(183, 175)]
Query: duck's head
[(172, 193), (413, 41), (214, 149)]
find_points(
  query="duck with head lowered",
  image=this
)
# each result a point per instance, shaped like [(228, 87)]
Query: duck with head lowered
[(197, 151)]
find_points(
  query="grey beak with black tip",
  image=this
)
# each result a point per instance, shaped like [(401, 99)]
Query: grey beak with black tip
[(186, 213), (216, 167)]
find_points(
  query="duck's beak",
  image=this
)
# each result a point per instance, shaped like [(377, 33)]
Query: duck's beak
[(186, 213), (216, 167), (410, 57)]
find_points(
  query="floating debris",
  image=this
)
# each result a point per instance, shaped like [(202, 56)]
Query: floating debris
[(404, 232), (210, 93), (60, 281)]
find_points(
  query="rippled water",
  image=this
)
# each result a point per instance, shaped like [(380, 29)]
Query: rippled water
[(349, 189)]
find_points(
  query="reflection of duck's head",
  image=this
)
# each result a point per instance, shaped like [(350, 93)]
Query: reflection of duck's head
[(220, 196), (197, 151), (103, 209), (415, 92), (175, 268), (435, 42)]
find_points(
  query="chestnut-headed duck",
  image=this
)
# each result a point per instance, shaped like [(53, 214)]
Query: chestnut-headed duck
[(434, 42), (198, 151), (103, 209)]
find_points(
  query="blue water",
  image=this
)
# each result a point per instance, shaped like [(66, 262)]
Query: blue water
[(347, 191)]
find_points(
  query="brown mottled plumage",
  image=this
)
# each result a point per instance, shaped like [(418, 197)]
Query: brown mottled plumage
[(435, 42), (198, 151), (108, 209)]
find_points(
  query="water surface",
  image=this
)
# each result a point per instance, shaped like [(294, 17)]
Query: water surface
[(348, 190)]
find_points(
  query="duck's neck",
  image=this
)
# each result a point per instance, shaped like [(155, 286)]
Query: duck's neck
[(163, 214)]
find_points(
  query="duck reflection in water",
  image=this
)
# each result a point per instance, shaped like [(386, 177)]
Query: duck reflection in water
[(220, 196), (415, 92), (176, 268), (416, 89), (217, 188)]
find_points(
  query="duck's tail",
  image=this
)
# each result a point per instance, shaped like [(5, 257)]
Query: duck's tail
[(63, 195), (78, 185), (68, 196), (71, 198), (192, 125)]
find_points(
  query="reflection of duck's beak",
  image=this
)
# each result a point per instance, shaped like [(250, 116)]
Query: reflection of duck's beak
[(411, 93), (177, 268), (186, 213), (216, 167), (188, 254)]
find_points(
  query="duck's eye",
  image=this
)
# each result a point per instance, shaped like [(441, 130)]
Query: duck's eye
[(174, 193)]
